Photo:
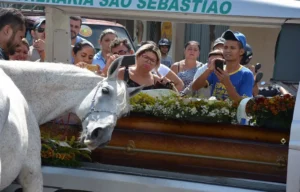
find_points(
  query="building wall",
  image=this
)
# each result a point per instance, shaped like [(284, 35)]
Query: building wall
[(201, 33), (178, 40), (137, 26), (262, 41)]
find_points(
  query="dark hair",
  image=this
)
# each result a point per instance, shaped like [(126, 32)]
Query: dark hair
[(118, 41), (12, 17), (107, 31), (76, 18), (80, 45), (192, 42), (148, 42)]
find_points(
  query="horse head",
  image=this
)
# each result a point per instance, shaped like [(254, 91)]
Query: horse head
[(103, 106)]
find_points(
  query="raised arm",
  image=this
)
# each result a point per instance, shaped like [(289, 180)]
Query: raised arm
[(175, 67), (201, 81), (176, 80)]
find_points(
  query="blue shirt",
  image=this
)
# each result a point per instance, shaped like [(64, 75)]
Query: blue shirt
[(99, 60), (3, 56), (242, 80), (79, 39)]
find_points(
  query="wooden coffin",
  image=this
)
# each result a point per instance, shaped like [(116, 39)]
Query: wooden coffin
[(196, 148)]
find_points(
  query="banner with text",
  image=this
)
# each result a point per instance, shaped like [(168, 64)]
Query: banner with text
[(261, 8)]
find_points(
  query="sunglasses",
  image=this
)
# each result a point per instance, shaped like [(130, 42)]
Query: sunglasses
[(40, 30)]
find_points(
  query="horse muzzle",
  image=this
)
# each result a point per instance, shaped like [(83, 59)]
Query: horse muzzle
[(98, 137)]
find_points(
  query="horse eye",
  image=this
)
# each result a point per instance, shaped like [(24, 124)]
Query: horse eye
[(105, 90)]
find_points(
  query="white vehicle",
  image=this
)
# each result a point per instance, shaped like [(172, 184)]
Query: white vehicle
[(254, 13)]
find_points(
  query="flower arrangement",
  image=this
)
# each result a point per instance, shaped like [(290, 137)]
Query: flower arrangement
[(191, 109), (274, 112), (264, 112), (62, 152), (58, 149)]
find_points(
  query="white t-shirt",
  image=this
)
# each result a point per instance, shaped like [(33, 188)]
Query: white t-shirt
[(200, 71), (203, 92), (163, 70)]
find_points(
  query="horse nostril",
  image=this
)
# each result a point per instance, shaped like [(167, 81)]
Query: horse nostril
[(95, 133)]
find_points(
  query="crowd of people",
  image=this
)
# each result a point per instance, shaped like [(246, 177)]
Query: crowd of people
[(224, 76)]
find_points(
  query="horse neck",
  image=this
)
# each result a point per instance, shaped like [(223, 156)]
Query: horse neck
[(51, 89)]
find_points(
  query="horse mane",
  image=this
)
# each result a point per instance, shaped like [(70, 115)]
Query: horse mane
[(124, 102), (57, 74), (24, 65)]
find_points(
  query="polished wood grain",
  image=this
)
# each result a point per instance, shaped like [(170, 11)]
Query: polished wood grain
[(196, 148), (195, 166), (155, 124)]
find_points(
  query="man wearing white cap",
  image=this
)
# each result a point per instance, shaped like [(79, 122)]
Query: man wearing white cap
[(219, 44)]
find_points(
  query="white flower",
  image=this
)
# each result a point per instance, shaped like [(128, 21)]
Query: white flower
[(178, 116), (193, 110), (204, 109), (233, 114), (186, 100), (165, 111), (212, 98), (225, 111), (148, 108), (211, 114)]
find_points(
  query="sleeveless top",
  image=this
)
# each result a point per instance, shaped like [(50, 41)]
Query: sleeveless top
[(188, 76), (131, 83)]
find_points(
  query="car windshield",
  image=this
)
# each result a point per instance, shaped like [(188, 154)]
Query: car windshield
[(96, 30)]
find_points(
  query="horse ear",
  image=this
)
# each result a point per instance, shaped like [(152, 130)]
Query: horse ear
[(114, 68), (134, 90)]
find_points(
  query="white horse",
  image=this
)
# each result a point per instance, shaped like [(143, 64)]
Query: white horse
[(19, 139), (52, 90)]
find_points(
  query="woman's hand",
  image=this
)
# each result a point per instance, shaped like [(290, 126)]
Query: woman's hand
[(81, 64), (166, 82), (91, 67), (110, 59)]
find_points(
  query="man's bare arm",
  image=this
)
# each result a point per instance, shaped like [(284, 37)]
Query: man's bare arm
[(201, 81)]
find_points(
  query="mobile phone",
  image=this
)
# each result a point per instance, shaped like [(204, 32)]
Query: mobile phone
[(257, 67), (128, 60), (93, 67), (219, 64)]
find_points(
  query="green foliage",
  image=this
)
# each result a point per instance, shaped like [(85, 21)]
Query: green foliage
[(67, 153), (192, 109)]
